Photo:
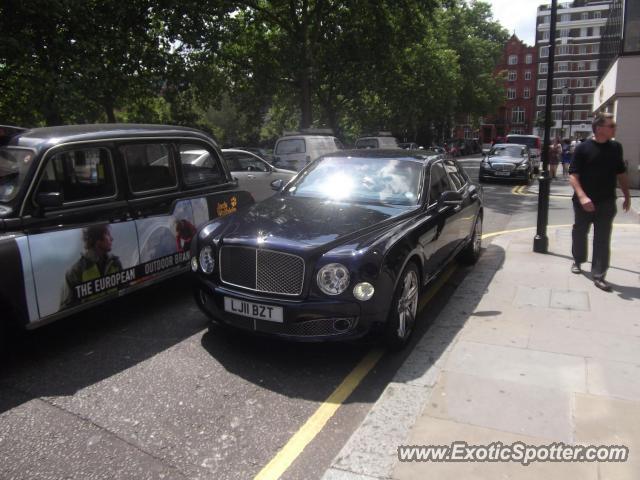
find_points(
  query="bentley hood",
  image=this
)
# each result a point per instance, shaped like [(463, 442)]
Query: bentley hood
[(306, 223)]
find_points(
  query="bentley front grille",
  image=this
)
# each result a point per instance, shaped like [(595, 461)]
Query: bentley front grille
[(503, 167), (262, 270)]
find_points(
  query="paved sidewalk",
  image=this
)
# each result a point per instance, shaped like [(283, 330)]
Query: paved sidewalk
[(524, 351)]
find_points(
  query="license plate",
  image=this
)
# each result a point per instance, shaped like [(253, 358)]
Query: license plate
[(253, 310), (503, 174)]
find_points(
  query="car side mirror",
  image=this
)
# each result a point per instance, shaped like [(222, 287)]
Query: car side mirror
[(234, 181), (277, 184), (50, 199), (450, 199)]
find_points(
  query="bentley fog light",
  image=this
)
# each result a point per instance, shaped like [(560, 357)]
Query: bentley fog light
[(333, 279), (207, 262), (363, 291), (194, 264)]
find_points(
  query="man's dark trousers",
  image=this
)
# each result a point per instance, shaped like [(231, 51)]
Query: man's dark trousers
[(602, 220)]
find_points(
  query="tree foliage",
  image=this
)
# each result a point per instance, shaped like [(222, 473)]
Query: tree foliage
[(246, 69)]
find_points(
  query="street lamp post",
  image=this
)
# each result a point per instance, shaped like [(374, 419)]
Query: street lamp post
[(541, 241)]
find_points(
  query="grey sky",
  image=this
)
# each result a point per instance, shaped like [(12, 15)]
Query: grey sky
[(518, 15)]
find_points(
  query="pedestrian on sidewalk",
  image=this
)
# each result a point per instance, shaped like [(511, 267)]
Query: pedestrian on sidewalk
[(597, 164), (555, 152), (566, 157)]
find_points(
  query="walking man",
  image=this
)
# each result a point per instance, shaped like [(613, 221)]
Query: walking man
[(597, 164)]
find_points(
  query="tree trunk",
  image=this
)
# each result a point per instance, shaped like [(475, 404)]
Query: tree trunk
[(109, 110), (305, 98)]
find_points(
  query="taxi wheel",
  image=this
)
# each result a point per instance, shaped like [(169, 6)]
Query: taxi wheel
[(404, 308), (471, 252)]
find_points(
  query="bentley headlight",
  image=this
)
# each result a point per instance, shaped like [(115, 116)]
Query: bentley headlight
[(207, 260), (363, 291), (194, 264), (523, 166), (333, 279)]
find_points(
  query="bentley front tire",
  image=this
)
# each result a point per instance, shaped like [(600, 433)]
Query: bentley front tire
[(404, 308)]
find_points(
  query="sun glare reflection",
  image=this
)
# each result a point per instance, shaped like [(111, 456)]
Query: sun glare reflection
[(338, 186)]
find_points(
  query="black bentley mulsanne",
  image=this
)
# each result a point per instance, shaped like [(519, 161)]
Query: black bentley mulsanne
[(342, 250)]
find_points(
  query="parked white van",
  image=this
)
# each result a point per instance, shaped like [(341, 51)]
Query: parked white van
[(294, 150), (534, 144), (382, 140)]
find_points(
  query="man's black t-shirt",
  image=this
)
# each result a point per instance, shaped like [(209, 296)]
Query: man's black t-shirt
[(598, 165)]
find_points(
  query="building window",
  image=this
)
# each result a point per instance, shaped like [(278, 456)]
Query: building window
[(528, 58), (526, 93), (544, 52), (542, 100), (527, 75), (517, 115), (544, 68), (563, 50), (565, 17), (542, 83), (594, 66), (546, 19), (597, 14), (545, 35), (564, 32), (595, 48), (596, 31), (563, 66), (561, 82), (513, 59), (582, 50), (512, 76), (585, 15), (511, 93)]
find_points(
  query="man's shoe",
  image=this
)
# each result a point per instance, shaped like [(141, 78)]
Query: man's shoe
[(602, 284), (575, 268)]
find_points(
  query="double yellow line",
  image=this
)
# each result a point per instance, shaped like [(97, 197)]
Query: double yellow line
[(312, 427), (520, 190)]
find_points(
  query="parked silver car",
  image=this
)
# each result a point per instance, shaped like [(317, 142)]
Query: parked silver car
[(253, 173)]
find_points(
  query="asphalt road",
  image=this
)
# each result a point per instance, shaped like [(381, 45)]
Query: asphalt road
[(143, 388)]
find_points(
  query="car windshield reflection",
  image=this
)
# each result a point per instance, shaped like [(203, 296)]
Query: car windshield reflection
[(361, 180), (506, 151)]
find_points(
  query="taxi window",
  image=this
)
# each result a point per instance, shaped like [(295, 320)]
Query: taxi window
[(79, 174), (200, 165), (149, 167)]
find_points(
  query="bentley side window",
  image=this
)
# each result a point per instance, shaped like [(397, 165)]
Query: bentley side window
[(79, 175), (438, 183), (455, 175), (149, 167)]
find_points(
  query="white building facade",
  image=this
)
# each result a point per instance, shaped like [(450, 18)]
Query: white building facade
[(579, 29)]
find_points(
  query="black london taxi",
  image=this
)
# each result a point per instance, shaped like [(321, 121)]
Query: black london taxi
[(342, 250), (91, 212)]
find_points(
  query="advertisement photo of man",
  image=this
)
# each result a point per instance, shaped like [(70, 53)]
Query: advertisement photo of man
[(96, 261)]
